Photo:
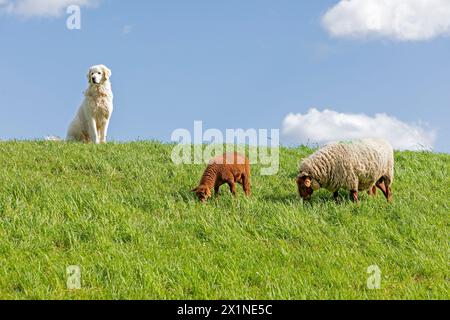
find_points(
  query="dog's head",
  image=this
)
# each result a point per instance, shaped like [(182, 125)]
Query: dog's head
[(203, 193), (98, 75)]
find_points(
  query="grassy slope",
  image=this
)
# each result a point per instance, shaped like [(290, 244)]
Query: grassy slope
[(125, 214)]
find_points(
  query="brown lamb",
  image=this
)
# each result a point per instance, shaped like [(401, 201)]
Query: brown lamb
[(230, 168)]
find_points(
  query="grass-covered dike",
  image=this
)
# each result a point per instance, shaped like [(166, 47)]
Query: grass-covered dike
[(126, 215)]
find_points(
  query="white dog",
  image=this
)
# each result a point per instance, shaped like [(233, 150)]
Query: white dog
[(92, 120)]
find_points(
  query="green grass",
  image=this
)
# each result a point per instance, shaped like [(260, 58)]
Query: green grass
[(125, 214)]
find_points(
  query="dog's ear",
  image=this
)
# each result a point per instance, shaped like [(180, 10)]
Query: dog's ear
[(107, 72), (88, 75)]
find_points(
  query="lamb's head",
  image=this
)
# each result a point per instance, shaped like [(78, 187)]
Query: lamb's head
[(305, 186), (203, 193)]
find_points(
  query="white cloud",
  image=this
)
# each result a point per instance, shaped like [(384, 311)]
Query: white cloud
[(325, 126), (42, 8), (404, 20), (127, 29)]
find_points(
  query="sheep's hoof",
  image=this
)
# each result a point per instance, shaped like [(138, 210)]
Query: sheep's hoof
[(354, 196)]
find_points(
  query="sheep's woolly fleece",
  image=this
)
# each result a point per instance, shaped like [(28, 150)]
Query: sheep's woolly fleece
[(354, 165)]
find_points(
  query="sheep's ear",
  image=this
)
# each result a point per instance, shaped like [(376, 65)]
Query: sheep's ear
[(307, 182), (303, 175), (304, 179)]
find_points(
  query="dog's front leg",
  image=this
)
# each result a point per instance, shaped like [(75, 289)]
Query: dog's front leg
[(104, 132), (93, 131)]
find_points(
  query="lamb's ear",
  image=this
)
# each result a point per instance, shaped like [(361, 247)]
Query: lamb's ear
[(107, 72), (304, 175), (307, 182), (305, 179)]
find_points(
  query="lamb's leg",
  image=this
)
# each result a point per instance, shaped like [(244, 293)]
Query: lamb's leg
[(373, 191), (354, 195), (336, 196), (389, 196), (386, 190), (353, 184), (382, 186), (388, 183)]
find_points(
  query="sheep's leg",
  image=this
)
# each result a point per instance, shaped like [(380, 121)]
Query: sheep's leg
[(386, 190), (388, 183), (353, 185), (382, 187), (373, 191), (336, 196), (389, 194), (354, 195)]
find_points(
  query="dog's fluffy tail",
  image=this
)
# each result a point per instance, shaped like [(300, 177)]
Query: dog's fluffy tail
[(53, 139)]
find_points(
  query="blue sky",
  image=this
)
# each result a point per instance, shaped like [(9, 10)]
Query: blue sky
[(231, 64)]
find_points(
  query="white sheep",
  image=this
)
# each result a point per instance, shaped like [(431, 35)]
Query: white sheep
[(359, 165)]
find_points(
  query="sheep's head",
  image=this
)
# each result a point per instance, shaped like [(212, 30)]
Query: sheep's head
[(305, 188), (203, 193)]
